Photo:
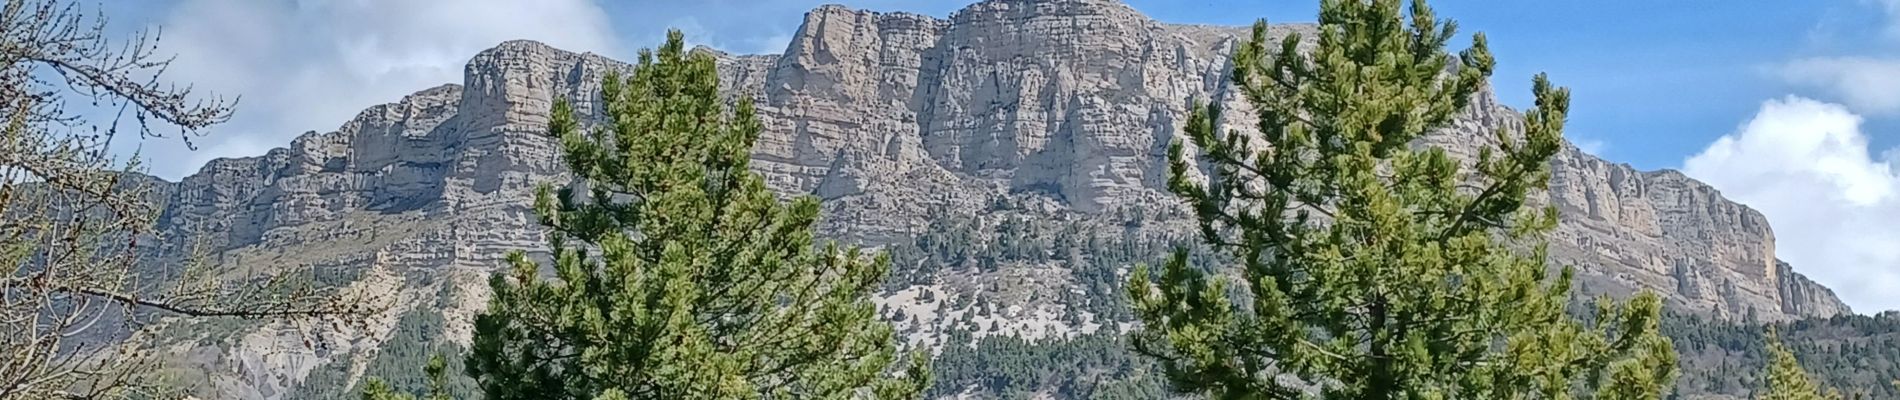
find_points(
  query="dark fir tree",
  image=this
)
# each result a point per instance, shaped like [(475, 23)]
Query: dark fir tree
[(679, 275), (1787, 380), (1371, 268), (437, 371), (1858, 354)]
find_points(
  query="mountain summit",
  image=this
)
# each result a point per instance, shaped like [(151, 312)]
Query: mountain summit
[(1061, 109)]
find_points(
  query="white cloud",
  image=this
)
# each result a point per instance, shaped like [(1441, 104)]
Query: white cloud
[(1892, 8), (313, 64), (1870, 85), (1835, 208), (1867, 77)]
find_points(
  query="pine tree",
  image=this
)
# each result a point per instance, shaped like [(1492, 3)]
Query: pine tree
[(680, 275), (437, 371), (1787, 380), (1371, 268)]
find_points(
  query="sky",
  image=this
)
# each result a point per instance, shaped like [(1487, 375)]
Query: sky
[(1791, 107)]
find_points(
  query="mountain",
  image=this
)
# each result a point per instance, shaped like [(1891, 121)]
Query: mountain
[(1009, 125)]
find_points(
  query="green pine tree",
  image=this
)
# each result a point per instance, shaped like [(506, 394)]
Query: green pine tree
[(437, 371), (1787, 380), (680, 275), (1371, 268)]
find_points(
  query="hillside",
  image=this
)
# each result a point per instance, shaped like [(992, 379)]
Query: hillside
[(1012, 153)]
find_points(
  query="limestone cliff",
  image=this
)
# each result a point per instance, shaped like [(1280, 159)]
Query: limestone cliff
[(886, 117)]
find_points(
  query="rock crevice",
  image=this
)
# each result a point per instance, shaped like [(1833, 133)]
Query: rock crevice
[(889, 116)]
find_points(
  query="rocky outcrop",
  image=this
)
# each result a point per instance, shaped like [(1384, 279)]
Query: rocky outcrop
[(887, 117), (1804, 297), (1660, 230)]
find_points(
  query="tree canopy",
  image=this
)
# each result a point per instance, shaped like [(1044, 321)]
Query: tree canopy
[(678, 274), (1372, 267), (81, 266)]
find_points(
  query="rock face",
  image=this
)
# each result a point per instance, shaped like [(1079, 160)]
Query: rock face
[(1663, 231), (887, 117)]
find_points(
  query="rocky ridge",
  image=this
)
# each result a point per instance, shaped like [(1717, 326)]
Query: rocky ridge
[(889, 118)]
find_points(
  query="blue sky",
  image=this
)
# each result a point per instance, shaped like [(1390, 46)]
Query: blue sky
[(1790, 107)]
